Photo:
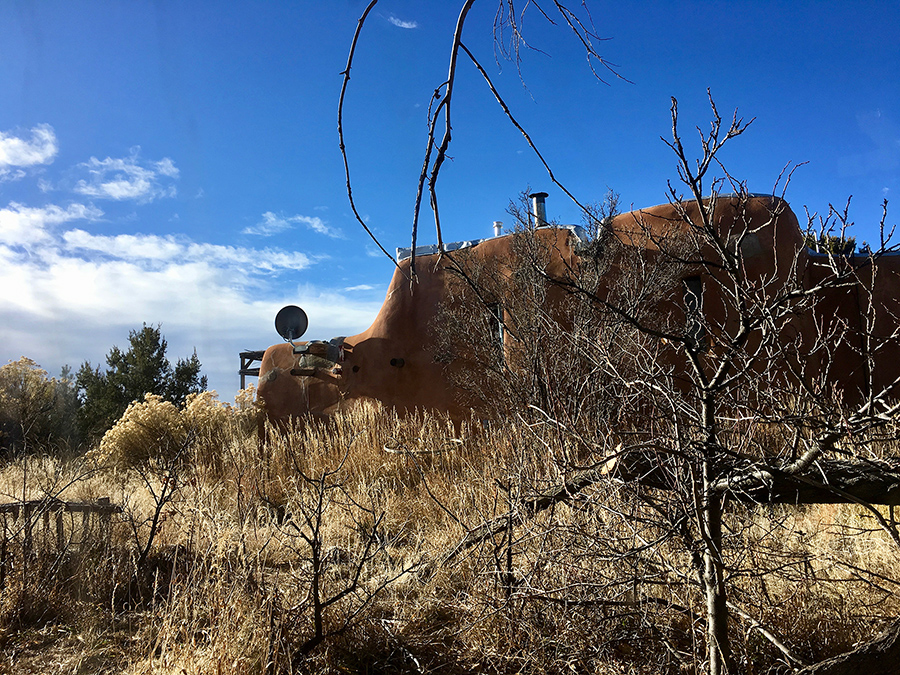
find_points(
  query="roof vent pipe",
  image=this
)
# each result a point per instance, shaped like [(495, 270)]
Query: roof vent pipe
[(539, 208), (498, 227)]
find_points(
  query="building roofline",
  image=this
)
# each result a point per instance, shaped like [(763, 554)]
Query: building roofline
[(404, 253)]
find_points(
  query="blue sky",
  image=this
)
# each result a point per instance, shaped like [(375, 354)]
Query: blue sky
[(177, 163)]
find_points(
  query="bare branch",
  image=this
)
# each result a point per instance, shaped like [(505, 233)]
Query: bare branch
[(346, 81)]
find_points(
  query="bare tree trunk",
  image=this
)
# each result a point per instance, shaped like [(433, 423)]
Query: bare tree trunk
[(709, 505), (713, 577)]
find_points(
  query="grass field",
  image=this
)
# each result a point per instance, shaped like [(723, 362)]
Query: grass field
[(334, 548)]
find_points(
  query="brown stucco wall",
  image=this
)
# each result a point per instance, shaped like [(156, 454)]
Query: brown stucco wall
[(772, 257)]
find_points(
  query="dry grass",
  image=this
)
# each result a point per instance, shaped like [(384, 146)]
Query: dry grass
[(359, 513)]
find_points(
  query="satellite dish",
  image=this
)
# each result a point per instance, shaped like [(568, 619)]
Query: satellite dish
[(291, 322)]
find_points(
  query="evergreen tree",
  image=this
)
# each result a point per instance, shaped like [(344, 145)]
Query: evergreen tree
[(831, 243), (142, 369)]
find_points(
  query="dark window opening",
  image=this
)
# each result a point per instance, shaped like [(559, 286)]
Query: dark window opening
[(695, 331), (497, 330)]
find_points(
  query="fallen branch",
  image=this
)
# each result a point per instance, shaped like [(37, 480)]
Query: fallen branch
[(824, 482), (878, 657)]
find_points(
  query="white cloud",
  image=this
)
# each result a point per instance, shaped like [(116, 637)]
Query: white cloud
[(402, 24), (64, 309), (360, 287), (41, 148), (269, 225), (127, 178), (7, 175), (26, 226), (272, 224), (148, 251), (318, 225), (78, 293), (166, 167)]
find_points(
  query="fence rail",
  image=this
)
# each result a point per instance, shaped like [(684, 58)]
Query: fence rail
[(19, 519)]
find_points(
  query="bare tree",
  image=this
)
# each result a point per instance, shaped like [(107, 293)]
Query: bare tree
[(700, 371), (340, 574), (716, 340)]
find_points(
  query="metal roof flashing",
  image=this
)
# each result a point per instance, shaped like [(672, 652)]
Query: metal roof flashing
[(403, 253)]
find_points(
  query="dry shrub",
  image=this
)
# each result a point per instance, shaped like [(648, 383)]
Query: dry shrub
[(155, 429), (824, 577), (147, 430), (210, 619)]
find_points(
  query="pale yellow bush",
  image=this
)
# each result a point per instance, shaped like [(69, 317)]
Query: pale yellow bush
[(152, 429), (156, 430)]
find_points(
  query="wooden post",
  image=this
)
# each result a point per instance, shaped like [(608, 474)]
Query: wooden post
[(105, 518), (60, 532), (247, 360), (26, 543), (85, 527)]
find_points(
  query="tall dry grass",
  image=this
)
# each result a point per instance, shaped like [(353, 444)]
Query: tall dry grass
[(326, 549)]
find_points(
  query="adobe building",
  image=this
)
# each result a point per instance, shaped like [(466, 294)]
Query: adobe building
[(837, 315)]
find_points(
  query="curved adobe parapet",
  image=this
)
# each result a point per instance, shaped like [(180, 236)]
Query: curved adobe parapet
[(762, 228), (759, 233)]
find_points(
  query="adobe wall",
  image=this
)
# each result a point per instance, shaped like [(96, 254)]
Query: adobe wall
[(394, 361), (867, 313)]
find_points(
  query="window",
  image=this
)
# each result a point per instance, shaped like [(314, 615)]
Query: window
[(695, 331)]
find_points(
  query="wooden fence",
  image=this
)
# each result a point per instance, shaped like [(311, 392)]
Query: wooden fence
[(55, 521)]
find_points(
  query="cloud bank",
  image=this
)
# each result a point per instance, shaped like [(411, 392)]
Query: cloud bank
[(27, 227), (69, 294)]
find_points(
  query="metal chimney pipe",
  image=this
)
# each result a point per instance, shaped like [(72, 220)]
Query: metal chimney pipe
[(539, 208), (498, 227)]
